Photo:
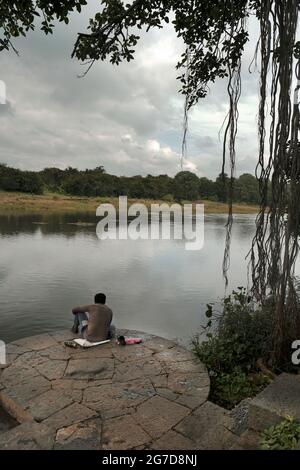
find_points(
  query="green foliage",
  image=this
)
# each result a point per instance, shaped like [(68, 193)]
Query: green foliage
[(186, 186), (228, 389), (221, 187), (246, 189), (16, 180), (17, 18), (168, 198), (237, 337), (207, 189), (282, 436), (96, 182)]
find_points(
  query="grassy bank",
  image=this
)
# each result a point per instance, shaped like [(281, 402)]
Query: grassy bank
[(20, 203)]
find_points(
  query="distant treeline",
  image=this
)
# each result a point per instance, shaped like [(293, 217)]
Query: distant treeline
[(184, 186)]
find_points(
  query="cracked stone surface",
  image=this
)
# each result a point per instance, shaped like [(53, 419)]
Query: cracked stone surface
[(80, 436), (123, 433), (158, 415), (148, 395), (47, 404), (27, 436)]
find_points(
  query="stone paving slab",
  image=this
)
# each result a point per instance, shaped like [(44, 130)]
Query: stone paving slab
[(208, 426), (36, 343), (280, 398), (174, 355), (52, 369), (25, 391), (74, 413), (16, 374), (123, 433), (110, 397), (124, 354), (27, 436), (45, 405), (249, 440), (174, 441), (146, 367), (58, 352), (80, 436), (158, 415), (87, 368)]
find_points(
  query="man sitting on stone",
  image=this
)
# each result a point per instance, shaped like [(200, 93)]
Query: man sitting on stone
[(94, 321)]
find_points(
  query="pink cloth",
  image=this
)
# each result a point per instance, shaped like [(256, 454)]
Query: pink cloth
[(133, 340)]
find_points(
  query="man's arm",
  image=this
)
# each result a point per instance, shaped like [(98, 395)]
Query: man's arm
[(81, 309)]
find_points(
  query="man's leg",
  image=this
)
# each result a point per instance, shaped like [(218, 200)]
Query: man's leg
[(75, 326), (80, 322), (111, 331)]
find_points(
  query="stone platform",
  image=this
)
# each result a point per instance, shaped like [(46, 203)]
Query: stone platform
[(146, 396)]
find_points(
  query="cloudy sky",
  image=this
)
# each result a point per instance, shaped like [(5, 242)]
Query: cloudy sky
[(126, 118)]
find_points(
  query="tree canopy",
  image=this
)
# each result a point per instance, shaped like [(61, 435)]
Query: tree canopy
[(19, 17), (185, 186)]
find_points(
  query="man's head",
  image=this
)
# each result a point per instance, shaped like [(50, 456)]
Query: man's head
[(100, 299)]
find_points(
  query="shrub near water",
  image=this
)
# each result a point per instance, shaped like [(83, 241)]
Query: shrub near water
[(236, 337)]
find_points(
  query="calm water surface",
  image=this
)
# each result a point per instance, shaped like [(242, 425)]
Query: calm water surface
[(48, 265)]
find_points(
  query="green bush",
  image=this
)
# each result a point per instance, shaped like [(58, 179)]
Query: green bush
[(282, 436), (168, 198), (12, 179), (237, 337), (228, 389)]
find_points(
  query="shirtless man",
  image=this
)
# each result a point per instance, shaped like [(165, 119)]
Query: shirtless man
[(93, 321)]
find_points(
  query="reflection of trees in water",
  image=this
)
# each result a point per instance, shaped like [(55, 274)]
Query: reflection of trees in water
[(68, 224), (242, 227), (49, 224)]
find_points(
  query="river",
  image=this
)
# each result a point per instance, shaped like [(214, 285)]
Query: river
[(48, 265)]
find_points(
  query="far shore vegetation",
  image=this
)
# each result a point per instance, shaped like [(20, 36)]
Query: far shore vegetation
[(72, 190)]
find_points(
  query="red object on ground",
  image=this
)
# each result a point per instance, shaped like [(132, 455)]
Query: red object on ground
[(133, 340), (122, 340)]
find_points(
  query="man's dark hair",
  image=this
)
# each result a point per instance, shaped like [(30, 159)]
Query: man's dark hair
[(100, 299)]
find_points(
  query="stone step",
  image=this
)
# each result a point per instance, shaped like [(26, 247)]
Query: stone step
[(277, 400), (249, 440), (209, 427)]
